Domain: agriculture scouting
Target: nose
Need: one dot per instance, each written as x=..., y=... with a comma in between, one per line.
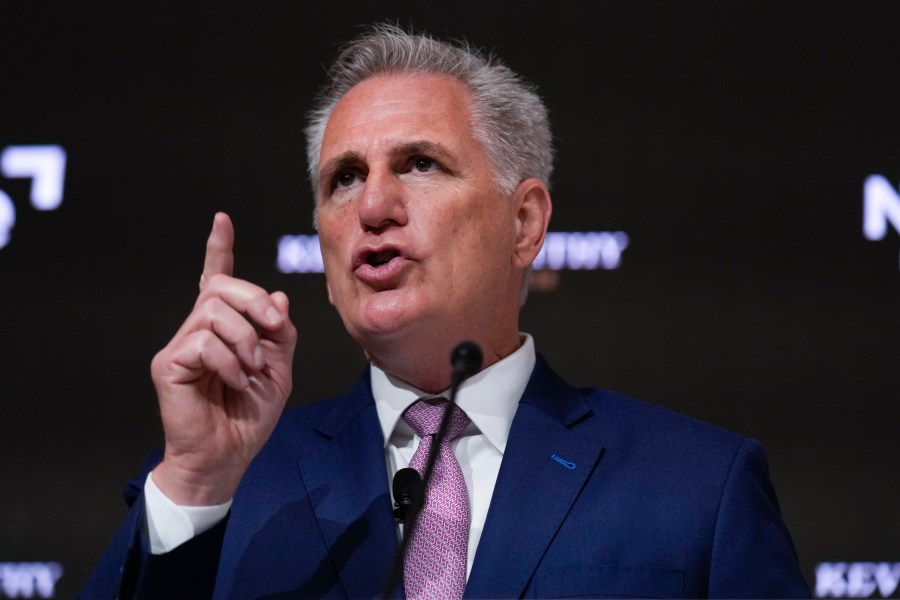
x=382, y=203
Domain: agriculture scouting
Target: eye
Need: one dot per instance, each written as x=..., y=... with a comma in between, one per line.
x=423, y=164
x=344, y=179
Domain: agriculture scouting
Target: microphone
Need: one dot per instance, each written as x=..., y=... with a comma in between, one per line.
x=466, y=360
x=407, y=486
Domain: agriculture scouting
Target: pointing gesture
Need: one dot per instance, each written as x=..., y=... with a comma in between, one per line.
x=222, y=383
x=219, y=259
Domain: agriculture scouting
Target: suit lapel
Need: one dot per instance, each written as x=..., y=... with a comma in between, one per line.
x=347, y=485
x=534, y=490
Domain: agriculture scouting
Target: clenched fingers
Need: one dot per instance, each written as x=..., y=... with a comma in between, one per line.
x=286, y=333
x=241, y=296
x=202, y=352
x=235, y=331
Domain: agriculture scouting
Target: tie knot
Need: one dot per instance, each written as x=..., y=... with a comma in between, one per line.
x=425, y=417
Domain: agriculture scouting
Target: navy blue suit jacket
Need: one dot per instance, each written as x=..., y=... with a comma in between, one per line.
x=651, y=504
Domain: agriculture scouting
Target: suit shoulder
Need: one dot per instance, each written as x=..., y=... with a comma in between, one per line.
x=621, y=420
x=630, y=420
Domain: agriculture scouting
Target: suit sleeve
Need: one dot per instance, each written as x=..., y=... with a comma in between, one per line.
x=753, y=555
x=127, y=569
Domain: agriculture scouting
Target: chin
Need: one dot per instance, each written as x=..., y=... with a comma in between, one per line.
x=380, y=323
x=380, y=318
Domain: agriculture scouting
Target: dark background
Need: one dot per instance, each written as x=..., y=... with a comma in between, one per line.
x=730, y=140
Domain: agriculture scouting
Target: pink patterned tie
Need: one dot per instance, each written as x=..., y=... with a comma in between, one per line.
x=436, y=559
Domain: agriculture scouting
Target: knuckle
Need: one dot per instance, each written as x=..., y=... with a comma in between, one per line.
x=214, y=307
x=248, y=336
x=212, y=310
x=212, y=283
x=159, y=362
x=216, y=279
x=204, y=340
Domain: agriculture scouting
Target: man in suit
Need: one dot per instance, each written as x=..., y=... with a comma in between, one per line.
x=430, y=165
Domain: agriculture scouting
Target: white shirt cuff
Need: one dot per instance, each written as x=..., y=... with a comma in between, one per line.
x=168, y=525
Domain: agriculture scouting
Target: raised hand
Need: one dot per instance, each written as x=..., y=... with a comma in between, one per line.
x=223, y=380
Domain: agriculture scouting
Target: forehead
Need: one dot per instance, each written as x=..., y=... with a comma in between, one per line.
x=392, y=109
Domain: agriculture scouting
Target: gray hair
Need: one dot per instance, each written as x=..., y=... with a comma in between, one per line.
x=509, y=118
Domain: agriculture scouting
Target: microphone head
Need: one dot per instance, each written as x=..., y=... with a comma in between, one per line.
x=466, y=360
x=406, y=484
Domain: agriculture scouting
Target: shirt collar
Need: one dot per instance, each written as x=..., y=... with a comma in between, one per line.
x=490, y=397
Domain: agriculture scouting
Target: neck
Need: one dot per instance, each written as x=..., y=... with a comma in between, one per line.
x=426, y=365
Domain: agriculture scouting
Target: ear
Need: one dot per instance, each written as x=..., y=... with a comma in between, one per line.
x=533, y=208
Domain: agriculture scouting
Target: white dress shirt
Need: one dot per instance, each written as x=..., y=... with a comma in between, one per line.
x=490, y=399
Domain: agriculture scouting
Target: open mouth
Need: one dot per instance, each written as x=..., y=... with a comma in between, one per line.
x=381, y=267
x=377, y=259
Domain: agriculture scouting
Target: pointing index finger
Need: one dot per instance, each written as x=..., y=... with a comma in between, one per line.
x=219, y=249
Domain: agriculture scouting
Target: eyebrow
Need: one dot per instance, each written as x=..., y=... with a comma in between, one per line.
x=350, y=158
x=420, y=147
x=336, y=164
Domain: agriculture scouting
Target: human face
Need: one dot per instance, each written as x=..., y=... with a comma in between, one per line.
x=417, y=238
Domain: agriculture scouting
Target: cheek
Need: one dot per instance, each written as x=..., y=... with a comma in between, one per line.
x=490, y=230
x=335, y=255
x=478, y=251
x=332, y=236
